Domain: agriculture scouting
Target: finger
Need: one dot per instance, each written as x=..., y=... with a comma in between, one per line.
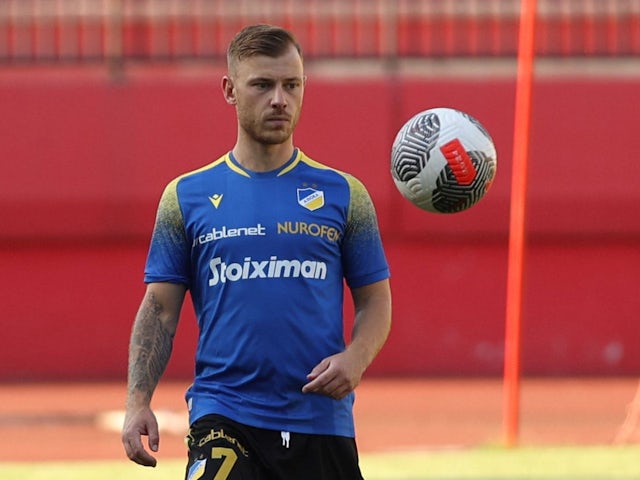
x=319, y=369
x=136, y=452
x=315, y=377
x=145, y=459
x=315, y=385
x=340, y=392
x=142, y=457
x=321, y=384
x=335, y=389
x=310, y=387
x=332, y=389
x=134, y=448
x=154, y=437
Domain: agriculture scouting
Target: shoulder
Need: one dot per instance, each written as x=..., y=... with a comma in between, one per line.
x=351, y=181
x=197, y=173
x=356, y=194
x=184, y=182
x=182, y=185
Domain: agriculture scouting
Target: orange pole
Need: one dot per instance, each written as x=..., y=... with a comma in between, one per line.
x=526, y=53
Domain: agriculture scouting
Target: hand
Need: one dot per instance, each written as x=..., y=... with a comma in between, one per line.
x=335, y=376
x=136, y=424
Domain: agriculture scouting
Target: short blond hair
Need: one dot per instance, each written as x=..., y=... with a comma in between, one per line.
x=260, y=39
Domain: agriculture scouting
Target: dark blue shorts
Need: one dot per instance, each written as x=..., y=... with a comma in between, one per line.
x=222, y=449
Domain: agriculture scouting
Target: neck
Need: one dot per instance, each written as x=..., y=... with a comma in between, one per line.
x=259, y=157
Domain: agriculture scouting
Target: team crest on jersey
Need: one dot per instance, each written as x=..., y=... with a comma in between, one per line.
x=196, y=470
x=310, y=198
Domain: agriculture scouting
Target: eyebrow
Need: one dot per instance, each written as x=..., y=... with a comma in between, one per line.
x=272, y=79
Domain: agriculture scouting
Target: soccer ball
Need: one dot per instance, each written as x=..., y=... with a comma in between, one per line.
x=443, y=160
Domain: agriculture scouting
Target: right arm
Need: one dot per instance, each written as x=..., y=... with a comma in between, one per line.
x=149, y=352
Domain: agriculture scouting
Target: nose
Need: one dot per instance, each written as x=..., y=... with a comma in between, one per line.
x=279, y=98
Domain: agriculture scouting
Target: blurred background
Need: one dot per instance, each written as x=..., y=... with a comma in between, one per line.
x=102, y=102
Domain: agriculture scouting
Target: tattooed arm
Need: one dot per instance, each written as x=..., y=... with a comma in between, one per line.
x=149, y=352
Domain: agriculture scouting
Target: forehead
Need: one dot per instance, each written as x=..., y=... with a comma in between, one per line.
x=287, y=65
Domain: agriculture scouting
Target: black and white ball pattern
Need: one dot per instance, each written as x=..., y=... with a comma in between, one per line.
x=443, y=160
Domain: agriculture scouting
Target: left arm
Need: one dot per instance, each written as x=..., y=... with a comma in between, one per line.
x=338, y=375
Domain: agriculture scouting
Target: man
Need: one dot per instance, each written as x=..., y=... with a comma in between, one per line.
x=263, y=238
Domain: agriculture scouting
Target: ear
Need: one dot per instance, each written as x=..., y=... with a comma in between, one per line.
x=228, y=90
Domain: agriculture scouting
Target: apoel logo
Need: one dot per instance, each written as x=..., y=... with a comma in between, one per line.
x=310, y=198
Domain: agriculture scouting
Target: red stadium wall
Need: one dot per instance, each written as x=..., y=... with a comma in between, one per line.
x=85, y=157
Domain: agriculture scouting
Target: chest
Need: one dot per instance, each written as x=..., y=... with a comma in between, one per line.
x=268, y=217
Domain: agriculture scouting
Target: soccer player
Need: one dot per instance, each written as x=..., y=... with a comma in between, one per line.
x=263, y=238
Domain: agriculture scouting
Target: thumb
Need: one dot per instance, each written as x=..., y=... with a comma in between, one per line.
x=154, y=436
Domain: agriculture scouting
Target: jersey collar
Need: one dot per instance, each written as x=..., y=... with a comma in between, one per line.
x=290, y=164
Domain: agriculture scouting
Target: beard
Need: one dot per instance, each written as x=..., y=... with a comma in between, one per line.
x=262, y=131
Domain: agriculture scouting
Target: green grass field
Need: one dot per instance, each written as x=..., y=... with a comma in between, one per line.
x=487, y=463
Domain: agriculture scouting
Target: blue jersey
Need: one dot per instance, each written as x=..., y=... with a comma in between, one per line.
x=265, y=256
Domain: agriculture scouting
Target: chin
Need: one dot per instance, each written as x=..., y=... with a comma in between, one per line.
x=275, y=139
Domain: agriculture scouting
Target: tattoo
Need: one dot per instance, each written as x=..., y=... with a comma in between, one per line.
x=150, y=349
